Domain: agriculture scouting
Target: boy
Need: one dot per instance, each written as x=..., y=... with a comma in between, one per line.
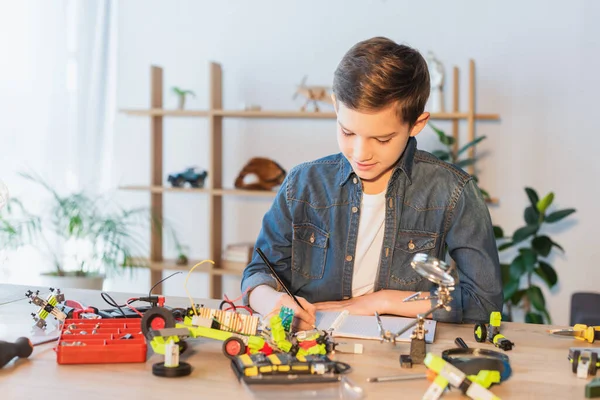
x=343, y=229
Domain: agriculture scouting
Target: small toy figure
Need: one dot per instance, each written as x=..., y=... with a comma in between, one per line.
x=313, y=94
x=491, y=333
x=191, y=175
x=47, y=307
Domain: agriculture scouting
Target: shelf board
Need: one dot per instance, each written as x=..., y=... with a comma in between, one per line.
x=156, y=112
x=160, y=112
x=162, y=189
x=171, y=265
x=274, y=114
x=241, y=192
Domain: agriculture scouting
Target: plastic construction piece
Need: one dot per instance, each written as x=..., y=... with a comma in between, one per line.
x=406, y=361
x=114, y=341
x=491, y=333
x=171, y=367
x=592, y=389
x=287, y=316
x=584, y=361
x=47, y=307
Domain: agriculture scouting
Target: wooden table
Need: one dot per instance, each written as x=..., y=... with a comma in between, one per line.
x=539, y=363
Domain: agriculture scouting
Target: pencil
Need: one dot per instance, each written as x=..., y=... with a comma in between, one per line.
x=264, y=258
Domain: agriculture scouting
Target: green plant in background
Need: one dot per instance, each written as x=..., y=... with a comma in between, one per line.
x=181, y=93
x=112, y=237
x=454, y=157
x=533, y=250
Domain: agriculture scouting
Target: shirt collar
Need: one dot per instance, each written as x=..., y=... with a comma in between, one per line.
x=404, y=163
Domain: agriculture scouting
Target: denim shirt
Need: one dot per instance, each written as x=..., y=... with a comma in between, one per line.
x=432, y=207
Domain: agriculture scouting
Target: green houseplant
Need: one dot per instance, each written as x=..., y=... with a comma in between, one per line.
x=455, y=156
x=534, y=248
x=181, y=93
x=102, y=237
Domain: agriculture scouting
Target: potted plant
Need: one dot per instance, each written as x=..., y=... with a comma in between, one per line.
x=534, y=248
x=454, y=156
x=85, y=236
x=181, y=93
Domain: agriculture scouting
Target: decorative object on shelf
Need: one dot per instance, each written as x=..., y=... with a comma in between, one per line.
x=181, y=93
x=237, y=255
x=81, y=235
x=529, y=260
x=182, y=252
x=453, y=155
x=251, y=107
x=436, y=77
x=314, y=94
x=267, y=171
x=191, y=175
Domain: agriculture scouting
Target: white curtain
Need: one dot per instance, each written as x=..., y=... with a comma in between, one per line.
x=57, y=103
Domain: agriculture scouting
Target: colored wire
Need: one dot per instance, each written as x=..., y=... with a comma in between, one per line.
x=188, y=277
x=161, y=281
x=106, y=297
x=131, y=300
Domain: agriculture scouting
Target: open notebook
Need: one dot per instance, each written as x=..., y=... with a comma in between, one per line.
x=365, y=327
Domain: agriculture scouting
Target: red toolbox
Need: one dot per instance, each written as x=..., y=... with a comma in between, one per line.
x=101, y=341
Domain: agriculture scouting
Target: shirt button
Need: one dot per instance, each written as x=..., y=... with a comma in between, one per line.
x=411, y=245
x=348, y=258
x=312, y=238
x=355, y=180
x=354, y=209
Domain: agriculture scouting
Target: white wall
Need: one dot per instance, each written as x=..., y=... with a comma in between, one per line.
x=537, y=64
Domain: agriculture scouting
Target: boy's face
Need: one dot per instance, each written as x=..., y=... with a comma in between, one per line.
x=373, y=142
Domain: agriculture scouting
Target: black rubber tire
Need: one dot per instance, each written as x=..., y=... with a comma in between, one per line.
x=179, y=182
x=242, y=348
x=159, y=369
x=575, y=360
x=593, y=362
x=152, y=314
x=483, y=333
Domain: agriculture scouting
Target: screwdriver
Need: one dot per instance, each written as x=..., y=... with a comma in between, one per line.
x=21, y=348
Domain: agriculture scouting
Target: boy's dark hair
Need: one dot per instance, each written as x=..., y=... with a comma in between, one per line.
x=377, y=72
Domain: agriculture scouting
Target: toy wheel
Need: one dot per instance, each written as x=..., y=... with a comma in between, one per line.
x=159, y=369
x=575, y=361
x=233, y=346
x=198, y=183
x=157, y=318
x=480, y=333
x=593, y=364
x=179, y=182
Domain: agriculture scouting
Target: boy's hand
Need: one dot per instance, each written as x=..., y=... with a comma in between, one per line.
x=303, y=319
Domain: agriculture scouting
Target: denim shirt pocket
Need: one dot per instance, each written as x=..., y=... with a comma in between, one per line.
x=409, y=243
x=309, y=250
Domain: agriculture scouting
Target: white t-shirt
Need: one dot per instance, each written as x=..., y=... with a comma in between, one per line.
x=369, y=243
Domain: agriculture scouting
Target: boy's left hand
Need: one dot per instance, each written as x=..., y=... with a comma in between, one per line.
x=362, y=305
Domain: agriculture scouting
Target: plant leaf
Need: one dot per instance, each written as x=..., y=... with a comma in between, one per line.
x=510, y=288
x=544, y=203
x=505, y=246
x=517, y=268
x=470, y=144
x=524, y=232
x=529, y=259
x=444, y=139
x=542, y=245
x=515, y=299
x=498, y=232
x=534, y=318
x=558, y=215
x=465, y=163
x=441, y=154
x=531, y=215
x=505, y=272
x=547, y=273
x=558, y=245
x=536, y=297
x=533, y=196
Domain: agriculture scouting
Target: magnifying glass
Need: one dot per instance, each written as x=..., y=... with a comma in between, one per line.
x=435, y=270
x=3, y=194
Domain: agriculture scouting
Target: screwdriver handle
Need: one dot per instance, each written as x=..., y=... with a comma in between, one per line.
x=22, y=348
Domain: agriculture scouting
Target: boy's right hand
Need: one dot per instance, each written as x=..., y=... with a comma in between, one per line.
x=304, y=320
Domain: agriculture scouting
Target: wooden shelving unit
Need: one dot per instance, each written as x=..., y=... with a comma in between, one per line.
x=214, y=186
